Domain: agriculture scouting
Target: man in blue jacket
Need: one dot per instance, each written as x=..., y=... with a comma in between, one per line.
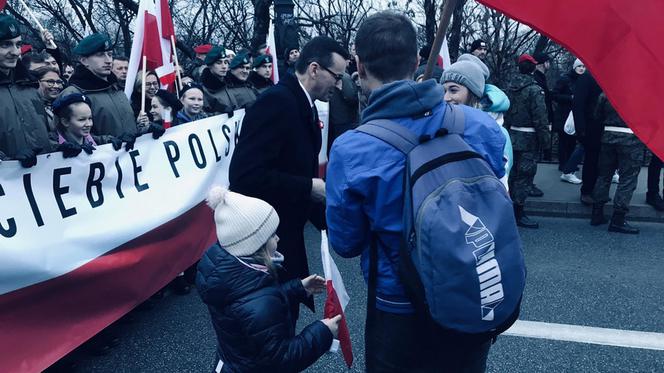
x=364, y=195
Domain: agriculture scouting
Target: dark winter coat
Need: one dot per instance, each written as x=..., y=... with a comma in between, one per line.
x=218, y=98
x=260, y=84
x=251, y=316
x=344, y=109
x=112, y=113
x=23, y=123
x=275, y=159
x=562, y=94
x=586, y=93
x=243, y=91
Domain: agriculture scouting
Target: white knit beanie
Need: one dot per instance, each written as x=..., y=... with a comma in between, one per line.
x=577, y=63
x=244, y=224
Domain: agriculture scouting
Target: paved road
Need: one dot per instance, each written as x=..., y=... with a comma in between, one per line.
x=577, y=274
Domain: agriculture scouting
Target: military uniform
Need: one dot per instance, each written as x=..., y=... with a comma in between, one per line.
x=23, y=126
x=620, y=150
x=527, y=122
x=243, y=92
x=216, y=94
x=259, y=83
x=111, y=110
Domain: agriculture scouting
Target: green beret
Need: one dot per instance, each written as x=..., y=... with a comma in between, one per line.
x=239, y=60
x=262, y=59
x=92, y=44
x=215, y=54
x=9, y=28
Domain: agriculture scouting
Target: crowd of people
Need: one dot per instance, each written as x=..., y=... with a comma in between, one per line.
x=50, y=104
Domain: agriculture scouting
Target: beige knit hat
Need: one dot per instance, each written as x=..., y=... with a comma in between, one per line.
x=244, y=224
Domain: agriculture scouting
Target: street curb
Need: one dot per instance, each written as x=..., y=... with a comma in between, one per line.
x=543, y=207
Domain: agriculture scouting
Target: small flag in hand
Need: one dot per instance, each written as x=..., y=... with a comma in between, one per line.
x=337, y=299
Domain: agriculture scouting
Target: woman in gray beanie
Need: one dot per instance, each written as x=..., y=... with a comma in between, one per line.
x=465, y=84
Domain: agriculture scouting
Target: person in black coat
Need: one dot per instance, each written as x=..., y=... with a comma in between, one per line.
x=276, y=157
x=250, y=310
x=588, y=131
x=562, y=94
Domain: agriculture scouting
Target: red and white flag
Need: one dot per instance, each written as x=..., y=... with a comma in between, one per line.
x=272, y=51
x=166, y=73
x=146, y=43
x=337, y=299
x=444, y=60
x=619, y=45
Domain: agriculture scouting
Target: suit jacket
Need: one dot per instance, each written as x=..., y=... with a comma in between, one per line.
x=275, y=159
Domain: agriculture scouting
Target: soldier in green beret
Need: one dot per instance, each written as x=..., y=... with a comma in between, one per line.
x=238, y=84
x=112, y=112
x=259, y=77
x=217, y=97
x=23, y=128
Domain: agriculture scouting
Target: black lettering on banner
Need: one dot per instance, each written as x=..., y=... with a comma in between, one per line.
x=217, y=157
x=237, y=132
x=27, y=186
x=59, y=191
x=227, y=132
x=173, y=156
x=95, y=183
x=118, y=186
x=200, y=163
x=11, y=231
x=137, y=169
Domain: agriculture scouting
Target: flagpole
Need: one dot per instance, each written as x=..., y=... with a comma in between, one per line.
x=145, y=63
x=446, y=10
x=177, y=66
x=39, y=25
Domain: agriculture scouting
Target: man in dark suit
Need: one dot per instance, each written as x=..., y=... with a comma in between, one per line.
x=276, y=157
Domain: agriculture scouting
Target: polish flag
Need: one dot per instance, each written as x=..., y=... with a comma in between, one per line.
x=167, y=32
x=272, y=51
x=147, y=42
x=337, y=299
x=618, y=41
x=444, y=60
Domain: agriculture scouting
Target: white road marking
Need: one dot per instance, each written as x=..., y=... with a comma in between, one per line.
x=587, y=334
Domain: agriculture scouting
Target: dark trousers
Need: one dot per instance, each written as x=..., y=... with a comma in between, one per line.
x=566, y=145
x=574, y=160
x=401, y=343
x=627, y=159
x=654, y=170
x=592, y=146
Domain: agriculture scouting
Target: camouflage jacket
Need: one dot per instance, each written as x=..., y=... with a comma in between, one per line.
x=528, y=109
x=607, y=116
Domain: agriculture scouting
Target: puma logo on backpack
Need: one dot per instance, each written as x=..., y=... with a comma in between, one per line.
x=461, y=255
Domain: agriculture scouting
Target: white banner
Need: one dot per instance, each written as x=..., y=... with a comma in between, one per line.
x=51, y=213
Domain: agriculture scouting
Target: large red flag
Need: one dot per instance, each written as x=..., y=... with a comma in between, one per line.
x=619, y=41
x=167, y=28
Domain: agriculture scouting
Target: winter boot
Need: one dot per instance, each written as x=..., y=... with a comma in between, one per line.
x=522, y=220
x=654, y=200
x=620, y=225
x=598, y=218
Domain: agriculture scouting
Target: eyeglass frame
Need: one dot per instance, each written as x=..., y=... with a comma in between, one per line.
x=337, y=77
x=53, y=82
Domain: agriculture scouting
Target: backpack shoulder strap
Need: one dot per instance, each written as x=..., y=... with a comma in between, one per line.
x=392, y=133
x=454, y=120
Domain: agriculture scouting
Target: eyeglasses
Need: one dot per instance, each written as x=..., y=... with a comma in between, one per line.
x=53, y=82
x=337, y=77
x=152, y=84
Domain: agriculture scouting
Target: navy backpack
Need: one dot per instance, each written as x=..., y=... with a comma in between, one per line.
x=461, y=255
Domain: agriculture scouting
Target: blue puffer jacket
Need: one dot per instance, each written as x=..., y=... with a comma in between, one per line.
x=365, y=176
x=251, y=317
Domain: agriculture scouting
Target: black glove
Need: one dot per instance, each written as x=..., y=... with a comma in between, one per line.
x=69, y=149
x=27, y=157
x=88, y=148
x=156, y=130
x=126, y=138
